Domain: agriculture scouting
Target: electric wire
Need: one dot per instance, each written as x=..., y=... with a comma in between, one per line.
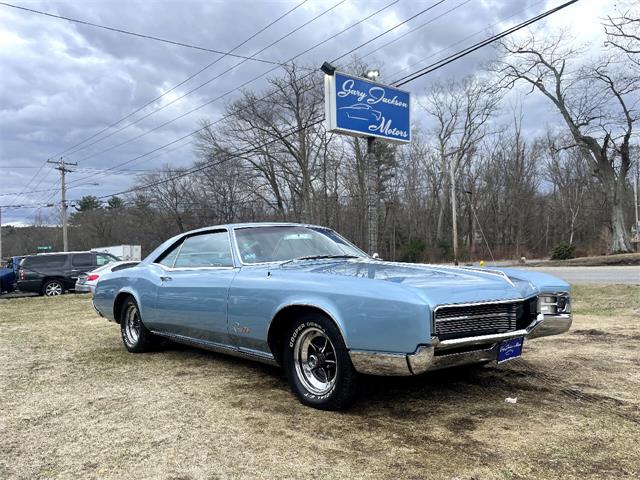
x=157, y=98
x=410, y=77
x=190, y=77
x=265, y=73
x=194, y=89
x=140, y=35
x=452, y=58
x=405, y=80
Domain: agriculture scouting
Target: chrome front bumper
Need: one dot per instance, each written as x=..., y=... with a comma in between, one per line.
x=454, y=352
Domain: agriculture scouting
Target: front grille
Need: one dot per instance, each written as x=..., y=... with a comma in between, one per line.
x=480, y=319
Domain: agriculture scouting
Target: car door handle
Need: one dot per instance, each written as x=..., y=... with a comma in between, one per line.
x=165, y=279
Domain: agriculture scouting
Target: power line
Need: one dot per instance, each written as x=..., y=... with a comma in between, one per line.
x=409, y=78
x=193, y=90
x=267, y=72
x=134, y=34
x=228, y=156
x=415, y=29
x=451, y=45
x=452, y=58
x=272, y=93
x=160, y=96
x=209, y=65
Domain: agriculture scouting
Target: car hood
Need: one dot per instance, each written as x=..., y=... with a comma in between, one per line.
x=437, y=284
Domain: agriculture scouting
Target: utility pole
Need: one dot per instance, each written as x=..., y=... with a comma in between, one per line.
x=635, y=204
x=372, y=182
x=454, y=211
x=61, y=166
x=372, y=197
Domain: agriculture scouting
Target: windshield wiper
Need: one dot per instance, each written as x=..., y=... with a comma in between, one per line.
x=318, y=257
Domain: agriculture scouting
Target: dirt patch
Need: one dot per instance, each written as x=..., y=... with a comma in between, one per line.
x=75, y=404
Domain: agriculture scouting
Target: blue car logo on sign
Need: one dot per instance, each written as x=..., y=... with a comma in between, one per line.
x=360, y=111
x=359, y=107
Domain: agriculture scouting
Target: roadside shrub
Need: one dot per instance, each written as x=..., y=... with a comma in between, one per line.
x=563, y=251
x=413, y=251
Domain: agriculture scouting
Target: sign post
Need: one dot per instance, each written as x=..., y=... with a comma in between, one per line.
x=360, y=107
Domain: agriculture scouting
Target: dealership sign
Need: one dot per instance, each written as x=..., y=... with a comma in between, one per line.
x=360, y=107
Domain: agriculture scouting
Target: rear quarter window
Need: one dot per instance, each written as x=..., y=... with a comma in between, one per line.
x=45, y=261
x=123, y=266
x=82, y=260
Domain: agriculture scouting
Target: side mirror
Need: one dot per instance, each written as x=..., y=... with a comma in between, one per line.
x=376, y=256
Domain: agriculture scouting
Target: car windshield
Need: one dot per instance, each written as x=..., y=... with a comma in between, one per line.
x=282, y=243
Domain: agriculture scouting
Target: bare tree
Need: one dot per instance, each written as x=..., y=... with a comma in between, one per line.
x=597, y=103
x=170, y=193
x=461, y=111
x=623, y=33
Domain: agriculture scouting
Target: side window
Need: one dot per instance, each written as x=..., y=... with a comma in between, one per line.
x=103, y=259
x=82, y=260
x=205, y=250
x=44, y=261
x=170, y=258
x=123, y=266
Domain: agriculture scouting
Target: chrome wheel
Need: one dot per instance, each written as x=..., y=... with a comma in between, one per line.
x=132, y=325
x=53, y=289
x=315, y=361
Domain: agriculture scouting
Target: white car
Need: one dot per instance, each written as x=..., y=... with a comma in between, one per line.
x=86, y=282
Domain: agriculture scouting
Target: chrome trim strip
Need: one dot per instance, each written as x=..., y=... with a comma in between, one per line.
x=192, y=234
x=551, y=325
x=477, y=316
x=481, y=339
x=490, y=302
x=490, y=272
x=279, y=262
x=96, y=309
x=219, y=347
x=380, y=363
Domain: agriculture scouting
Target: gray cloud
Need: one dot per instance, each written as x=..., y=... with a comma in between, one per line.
x=62, y=82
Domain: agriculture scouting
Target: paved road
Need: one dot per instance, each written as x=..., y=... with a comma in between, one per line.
x=607, y=274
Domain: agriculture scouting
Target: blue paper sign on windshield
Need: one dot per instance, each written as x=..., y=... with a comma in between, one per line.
x=360, y=107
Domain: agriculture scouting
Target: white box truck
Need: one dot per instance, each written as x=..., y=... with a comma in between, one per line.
x=123, y=252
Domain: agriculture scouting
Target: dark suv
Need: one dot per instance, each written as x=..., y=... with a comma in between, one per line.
x=53, y=273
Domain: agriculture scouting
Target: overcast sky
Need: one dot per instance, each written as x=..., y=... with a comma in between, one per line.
x=62, y=82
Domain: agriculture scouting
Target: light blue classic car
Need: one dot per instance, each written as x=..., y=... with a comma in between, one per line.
x=303, y=297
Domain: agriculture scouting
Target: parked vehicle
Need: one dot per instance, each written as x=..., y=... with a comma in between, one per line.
x=124, y=252
x=86, y=282
x=9, y=274
x=53, y=274
x=303, y=297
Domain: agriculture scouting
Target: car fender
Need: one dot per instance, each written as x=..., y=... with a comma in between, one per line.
x=317, y=302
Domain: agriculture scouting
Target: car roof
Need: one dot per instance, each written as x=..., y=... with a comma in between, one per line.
x=255, y=224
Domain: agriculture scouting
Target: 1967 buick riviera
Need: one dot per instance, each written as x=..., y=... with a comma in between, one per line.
x=303, y=297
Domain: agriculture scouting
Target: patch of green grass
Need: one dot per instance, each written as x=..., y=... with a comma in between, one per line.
x=605, y=299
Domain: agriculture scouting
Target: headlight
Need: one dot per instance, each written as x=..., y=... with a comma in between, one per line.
x=554, y=304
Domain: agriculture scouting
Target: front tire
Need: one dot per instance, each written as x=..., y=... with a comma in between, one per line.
x=52, y=288
x=318, y=365
x=135, y=336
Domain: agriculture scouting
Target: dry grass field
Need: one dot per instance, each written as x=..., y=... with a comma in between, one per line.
x=74, y=404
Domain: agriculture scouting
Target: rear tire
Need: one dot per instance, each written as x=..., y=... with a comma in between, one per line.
x=52, y=288
x=135, y=336
x=317, y=364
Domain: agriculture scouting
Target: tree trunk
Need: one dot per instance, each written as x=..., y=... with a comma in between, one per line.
x=619, y=239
